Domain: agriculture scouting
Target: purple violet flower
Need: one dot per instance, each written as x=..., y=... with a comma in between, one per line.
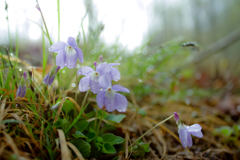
x=109, y=97
x=22, y=86
x=185, y=133
x=68, y=53
x=92, y=77
x=48, y=79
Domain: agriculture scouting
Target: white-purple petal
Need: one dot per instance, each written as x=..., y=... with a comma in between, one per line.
x=114, y=64
x=71, y=60
x=57, y=47
x=115, y=74
x=60, y=60
x=95, y=87
x=182, y=135
x=121, y=103
x=109, y=103
x=120, y=88
x=84, y=84
x=100, y=99
x=71, y=41
x=197, y=134
x=85, y=71
x=193, y=128
x=105, y=81
x=103, y=68
x=189, y=140
x=79, y=54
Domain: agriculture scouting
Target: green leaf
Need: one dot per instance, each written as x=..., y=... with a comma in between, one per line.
x=99, y=139
x=67, y=106
x=226, y=131
x=81, y=125
x=83, y=146
x=112, y=139
x=141, y=151
x=91, y=135
x=108, y=148
x=115, y=118
x=142, y=112
x=78, y=134
x=145, y=146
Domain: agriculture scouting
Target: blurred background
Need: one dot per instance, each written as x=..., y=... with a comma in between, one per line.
x=160, y=44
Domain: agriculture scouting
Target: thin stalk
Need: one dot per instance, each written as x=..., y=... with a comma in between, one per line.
x=95, y=124
x=44, y=56
x=85, y=98
x=151, y=130
x=9, y=35
x=16, y=50
x=58, y=4
x=76, y=86
x=44, y=24
x=100, y=122
x=84, y=37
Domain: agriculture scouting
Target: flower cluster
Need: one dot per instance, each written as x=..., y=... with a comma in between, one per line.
x=185, y=132
x=97, y=79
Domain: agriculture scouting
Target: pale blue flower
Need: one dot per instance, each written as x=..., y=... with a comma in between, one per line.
x=109, y=97
x=92, y=77
x=68, y=53
x=185, y=132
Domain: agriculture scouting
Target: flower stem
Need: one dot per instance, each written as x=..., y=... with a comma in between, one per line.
x=95, y=123
x=85, y=98
x=100, y=122
x=151, y=130
x=76, y=86
x=45, y=24
x=58, y=4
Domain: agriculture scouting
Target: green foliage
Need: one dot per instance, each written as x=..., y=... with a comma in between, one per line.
x=81, y=125
x=79, y=134
x=108, y=148
x=140, y=149
x=83, y=146
x=115, y=118
x=112, y=139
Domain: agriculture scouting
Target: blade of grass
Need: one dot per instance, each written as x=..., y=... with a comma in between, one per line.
x=44, y=64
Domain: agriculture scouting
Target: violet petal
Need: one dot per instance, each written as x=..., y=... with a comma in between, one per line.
x=95, y=87
x=57, y=47
x=121, y=103
x=120, y=88
x=84, y=84
x=105, y=81
x=85, y=71
x=109, y=103
x=71, y=41
x=100, y=99
x=115, y=74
